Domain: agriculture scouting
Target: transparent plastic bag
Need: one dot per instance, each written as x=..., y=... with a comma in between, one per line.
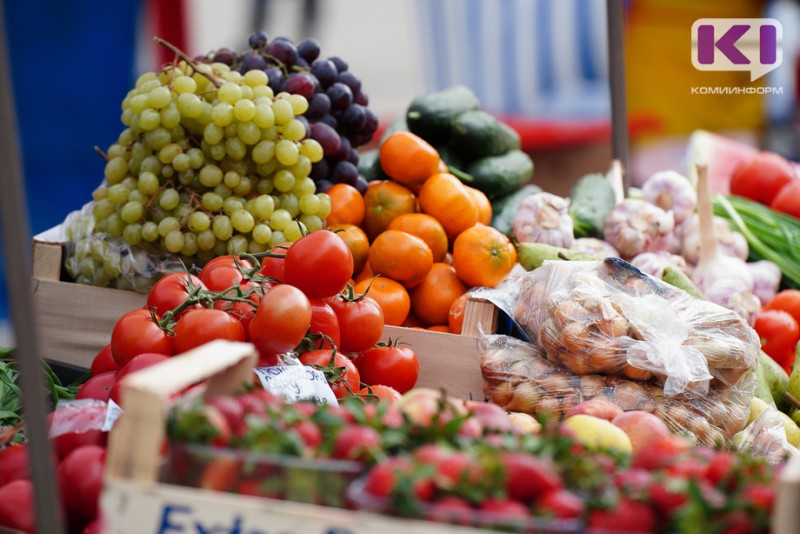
x=607, y=317
x=519, y=377
x=765, y=437
x=96, y=258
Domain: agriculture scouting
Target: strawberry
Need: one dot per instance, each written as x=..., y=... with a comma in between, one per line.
x=451, y=510
x=496, y=511
x=528, y=476
x=662, y=451
x=759, y=496
x=669, y=496
x=627, y=516
x=561, y=503
x=633, y=481
x=738, y=522
x=455, y=469
x=720, y=467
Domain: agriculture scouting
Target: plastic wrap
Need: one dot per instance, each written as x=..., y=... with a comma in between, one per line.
x=765, y=437
x=100, y=259
x=608, y=317
x=518, y=376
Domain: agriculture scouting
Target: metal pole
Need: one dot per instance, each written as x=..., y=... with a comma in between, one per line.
x=616, y=79
x=14, y=222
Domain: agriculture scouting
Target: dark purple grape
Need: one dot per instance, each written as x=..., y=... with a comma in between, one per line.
x=301, y=83
x=252, y=61
x=320, y=170
x=327, y=137
x=341, y=65
x=224, y=55
x=330, y=120
x=350, y=80
x=342, y=153
x=361, y=184
x=344, y=173
x=361, y=98
x=325, y=71
x=309, y=49
x=352, y=156
x=258, y=40
x=323, y=186
x=352, y=119
x=301, y=64
x=341, y=96
x=305, y=123
x=283, y=50
x=318, y=106
x=360, y=138
x=275, y=77
x=370, y=122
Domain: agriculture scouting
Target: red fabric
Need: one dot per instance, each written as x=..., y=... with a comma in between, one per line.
x=168, y=19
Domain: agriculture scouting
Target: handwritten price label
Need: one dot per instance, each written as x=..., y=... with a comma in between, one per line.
x=297, y=382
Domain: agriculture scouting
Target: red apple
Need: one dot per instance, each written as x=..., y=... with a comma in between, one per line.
x=641, y=427
x=596, y=407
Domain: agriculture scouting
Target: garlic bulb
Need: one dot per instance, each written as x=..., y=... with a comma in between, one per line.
x=592, y=245
x=731, y=243
x=636, y=226
x=543, y=218
x=766, y=279
x=736, y=295
x=653, y=263
x=670, y=191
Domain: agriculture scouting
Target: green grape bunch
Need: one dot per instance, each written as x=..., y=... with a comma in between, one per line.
x=211, y=162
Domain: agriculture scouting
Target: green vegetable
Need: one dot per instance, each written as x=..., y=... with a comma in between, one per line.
x=476, y=134
x=532, y=255
x=369, y=166
x=590, y=201
x=430, y=116
x=505, y=209
x=451, y=157
x=500, y=175
x=677, y=278
x=771, y=235
x=397, y=125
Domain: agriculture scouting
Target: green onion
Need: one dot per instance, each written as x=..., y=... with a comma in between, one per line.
x=771, y=235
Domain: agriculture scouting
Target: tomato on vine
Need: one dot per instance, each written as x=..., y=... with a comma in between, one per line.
x=223, y=272
x=320, y=264
x=136, y=332
x=198, y=327
x=171, y=291
x=360, y=321
x=392, y=364
x=281, y=321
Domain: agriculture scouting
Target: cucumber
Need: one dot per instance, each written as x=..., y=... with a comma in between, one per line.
x=497, y=176
x=451, y=157
x=369, y=165
x=590, y=201
x=476, y=134
x=430, y=116
x=505, y=209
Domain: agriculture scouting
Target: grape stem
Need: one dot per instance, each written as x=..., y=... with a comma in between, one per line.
x=102, y=154
x=191, y=62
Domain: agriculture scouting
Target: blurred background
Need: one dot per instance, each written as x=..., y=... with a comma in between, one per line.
x=539, y=64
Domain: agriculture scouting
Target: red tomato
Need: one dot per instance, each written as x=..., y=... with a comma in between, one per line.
x=222, y=272
x=281, y=321
x=97, y=387
x=320, y=264
x=787, y=300
x=104, y=361
x=788, y=199
x=171, y=290
x=762, y=177
x=324, y=321
x=242, y=311
x=275, y=267
x=76, y=428
x=383, y=393
x=135, y=333
x=13, y=463
x=138, y=363
x=360, y=322
x=80, y=477
x=779, y=333
x=396, y=367
x=346, y=381
x=16, y=506
x=198, y=327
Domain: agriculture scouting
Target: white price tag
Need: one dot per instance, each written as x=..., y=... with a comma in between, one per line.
x=297, y=382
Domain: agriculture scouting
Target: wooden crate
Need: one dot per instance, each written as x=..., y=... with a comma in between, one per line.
x=135, y=501
x=76, y=321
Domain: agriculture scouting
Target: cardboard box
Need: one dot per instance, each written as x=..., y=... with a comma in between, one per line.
x=75, y=321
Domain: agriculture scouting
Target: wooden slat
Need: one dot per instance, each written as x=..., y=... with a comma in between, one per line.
x=447, y=361
x=786, y=513
x=134, y=508
x=76, y=320
x=135, y=442
x=479, y=316
x=47, y=261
